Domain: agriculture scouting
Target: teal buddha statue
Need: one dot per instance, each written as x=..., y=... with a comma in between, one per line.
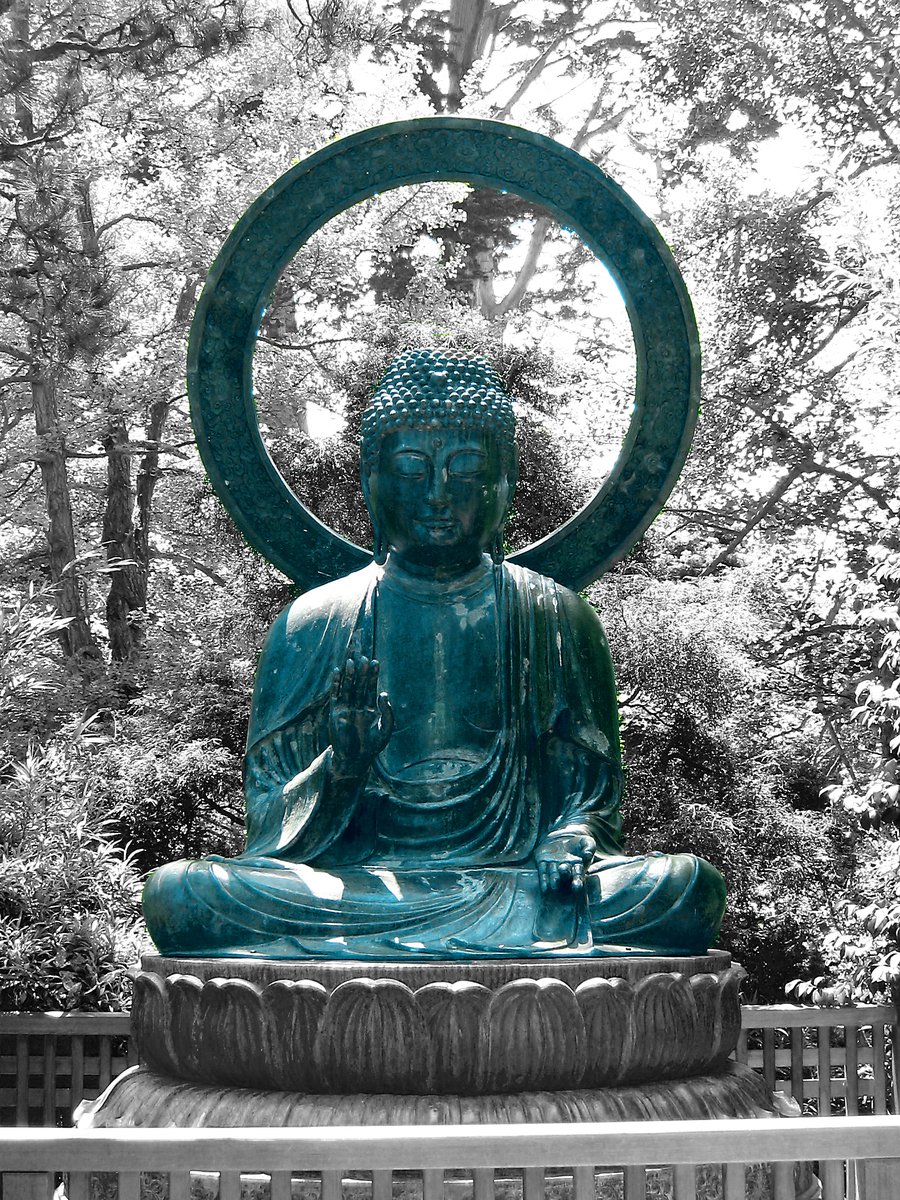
x=433, y=766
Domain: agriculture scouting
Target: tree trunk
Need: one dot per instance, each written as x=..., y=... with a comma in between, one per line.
x=140, y=515
x=470, y=25
x=126, y=601
x=76, y=638
x=147, y=478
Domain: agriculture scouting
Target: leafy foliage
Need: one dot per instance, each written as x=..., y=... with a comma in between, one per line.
x=69, y=915
x=701, y=778
x=756, y=626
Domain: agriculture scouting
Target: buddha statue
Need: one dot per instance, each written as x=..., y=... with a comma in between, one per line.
x=433, y=766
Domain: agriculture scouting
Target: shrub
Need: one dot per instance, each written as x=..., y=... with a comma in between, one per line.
x=69, y=915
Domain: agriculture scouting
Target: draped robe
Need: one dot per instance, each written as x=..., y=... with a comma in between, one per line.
x=443, y=868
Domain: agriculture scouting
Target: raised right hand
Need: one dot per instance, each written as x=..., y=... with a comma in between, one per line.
x=360, y=719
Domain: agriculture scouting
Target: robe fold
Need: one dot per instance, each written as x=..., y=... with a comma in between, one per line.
x=398, y=867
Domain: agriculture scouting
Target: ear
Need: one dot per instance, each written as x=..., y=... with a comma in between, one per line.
x=512, y=477
x=365, y=476
x=512, y=474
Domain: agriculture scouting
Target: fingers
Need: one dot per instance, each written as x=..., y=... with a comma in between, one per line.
x=557, y=876
x=572, y=874
x=356, y=685
x=387, y=716
x=348, y=683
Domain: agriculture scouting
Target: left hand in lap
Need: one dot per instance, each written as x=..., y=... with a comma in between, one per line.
x=562, y=861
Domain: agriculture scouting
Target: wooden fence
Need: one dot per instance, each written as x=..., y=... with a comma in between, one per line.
x=471, y=1160
x=829, y=1060
x=50, y=1062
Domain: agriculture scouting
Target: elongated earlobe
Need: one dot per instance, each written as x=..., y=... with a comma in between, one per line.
x=380, y=549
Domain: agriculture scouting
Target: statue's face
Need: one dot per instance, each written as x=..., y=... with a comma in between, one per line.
x=439, y=496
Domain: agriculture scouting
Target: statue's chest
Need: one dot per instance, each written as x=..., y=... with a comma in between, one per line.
x=440, y=668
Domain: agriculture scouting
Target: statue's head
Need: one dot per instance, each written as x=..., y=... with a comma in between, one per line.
x=439, y=459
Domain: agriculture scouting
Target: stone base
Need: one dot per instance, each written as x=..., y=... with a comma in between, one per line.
x=143, y=1098
x=437, y=1029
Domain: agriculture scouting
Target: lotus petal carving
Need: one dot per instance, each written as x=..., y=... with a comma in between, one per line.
x=459, y=1038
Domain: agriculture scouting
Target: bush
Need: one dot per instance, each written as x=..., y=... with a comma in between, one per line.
x=705, y=776
x=69, y=912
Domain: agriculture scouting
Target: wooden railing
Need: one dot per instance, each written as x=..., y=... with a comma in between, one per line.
x=831, y=1060
x=50, y=1062
x=481, y=1159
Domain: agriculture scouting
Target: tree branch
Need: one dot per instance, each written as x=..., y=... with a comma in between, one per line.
x=839, y=325
x=131, y=217
x=529, y=77
x=63, y=46
x=766, y=506
x=144, y=266
x=183, y=560
x=15, y=352
x=304, y=345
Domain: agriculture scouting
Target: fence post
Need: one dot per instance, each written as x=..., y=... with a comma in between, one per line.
x=881, y=1179
x=27, y=1185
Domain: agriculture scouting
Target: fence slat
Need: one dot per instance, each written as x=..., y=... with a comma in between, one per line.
x=432, y=1183
x=740, y=1050
x=331, y=1186
x=635, y=1183
x=180, y=1185
x=483, y=1182
x=130, y=1185
x=230, y=1185
x=60, y=1024
x=831, y=1174
x=383, y=1186
x=824, y=1056
x=532, y=1183
x=105, y=1072
x=583, y=1183
x=76, y=1088
x=882, y=1177
x=684, y=1177
x=22, y=1080
x=735, y=1181
x=532, y=1146
x=49, y=1080
x=810, y=1056
x=769, y=1058
x=783, y=1181
x=797, y=1065
x=785, y=1016
x=851, y=1072
x=27, y=1185
x=878, y=1054
x=78, y=1185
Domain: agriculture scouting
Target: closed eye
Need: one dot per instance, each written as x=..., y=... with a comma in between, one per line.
x=467, y=462
x=410, y=465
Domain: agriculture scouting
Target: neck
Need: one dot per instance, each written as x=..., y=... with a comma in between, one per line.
x=437, y=572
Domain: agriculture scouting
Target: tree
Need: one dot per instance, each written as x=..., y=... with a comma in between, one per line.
x=152, y=134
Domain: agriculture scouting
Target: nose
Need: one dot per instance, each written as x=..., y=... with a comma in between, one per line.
x=436, y=495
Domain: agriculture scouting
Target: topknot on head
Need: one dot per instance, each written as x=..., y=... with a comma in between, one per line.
x=432, y=389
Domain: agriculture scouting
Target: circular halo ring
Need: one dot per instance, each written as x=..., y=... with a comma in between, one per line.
x=481, y=153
